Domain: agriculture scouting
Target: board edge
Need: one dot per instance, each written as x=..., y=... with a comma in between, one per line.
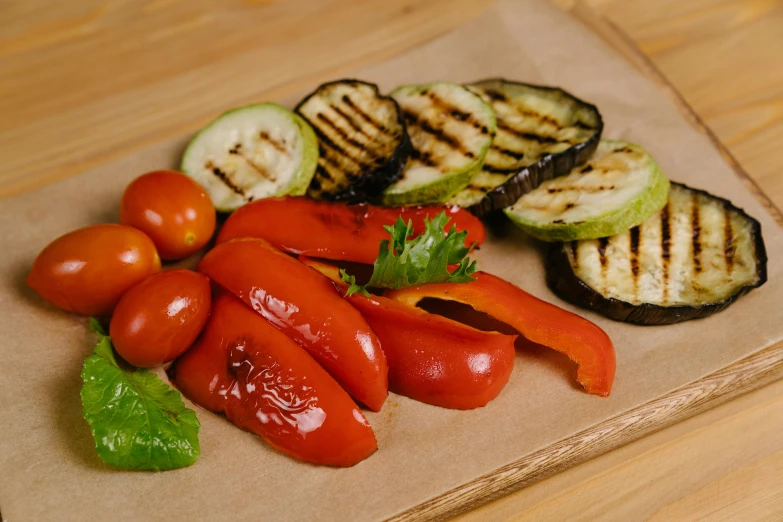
x=746, y=375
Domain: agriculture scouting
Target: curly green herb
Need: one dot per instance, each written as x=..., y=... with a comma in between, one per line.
x=407, y=261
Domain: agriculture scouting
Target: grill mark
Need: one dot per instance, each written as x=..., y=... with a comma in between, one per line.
x=528, y=135
x=344, y=135
x=586, y=169
x=728, y=241
x=603, y=243
x=517, y=155
x=366, y=117
x=537, y=115
x=315, y=184
x=456, y=112
x=347, y=117
x=623, y=149
x=696, y=237
x=495, y=95
x=261, y=169
x=635, y=240
x=580, y=125
x=223, y=176
x=424, y=158
x=438, y=134
x=264, y=136
x=323, y=172
x=336, y=149
x=589, y=190
x=236, y=150
x=666, y=238
x=498, y=170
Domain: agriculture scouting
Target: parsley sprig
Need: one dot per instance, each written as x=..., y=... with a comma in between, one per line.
x=409, y=261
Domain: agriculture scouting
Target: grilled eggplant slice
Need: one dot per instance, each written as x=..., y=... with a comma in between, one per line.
x=451, y=129
x=362, y=137
x=693, y=258
x=252, y=152
x=543, y=132
x=620, y=187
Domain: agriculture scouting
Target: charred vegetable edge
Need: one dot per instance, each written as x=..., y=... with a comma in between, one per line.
x=548, y=167
x=562, y=280
x=373, y=183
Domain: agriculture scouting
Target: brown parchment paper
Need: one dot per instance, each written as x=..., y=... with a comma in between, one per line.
x=48, y=466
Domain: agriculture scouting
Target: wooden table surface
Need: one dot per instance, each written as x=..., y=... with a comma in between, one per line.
x=85, y=81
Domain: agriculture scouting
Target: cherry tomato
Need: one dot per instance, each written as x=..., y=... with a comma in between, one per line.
x=267, y=384
x=159, y=318
x=172, y=209
x=88, y=270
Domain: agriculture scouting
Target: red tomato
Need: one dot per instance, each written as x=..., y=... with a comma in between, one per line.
x=305, y=306
x=267, y=384
x=172, y=209
x=159, y=318
x=88, y=270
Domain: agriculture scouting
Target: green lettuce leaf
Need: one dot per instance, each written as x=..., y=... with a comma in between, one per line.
x=138, y=422
x=406, y=261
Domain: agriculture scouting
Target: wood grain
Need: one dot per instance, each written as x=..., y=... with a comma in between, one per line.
x=705, y=468
x=749, y=374
x=85, y=82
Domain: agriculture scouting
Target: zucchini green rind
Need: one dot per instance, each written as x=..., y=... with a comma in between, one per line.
x=250, y=153
x=451, y=130
x=692, y=259
x=363, y=142
x=618, y=188
x=542, y=133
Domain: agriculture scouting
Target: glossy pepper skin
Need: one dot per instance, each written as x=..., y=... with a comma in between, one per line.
x=334, y=230
x=268, y=385
x=582, y=341
x=304, y=305
x=433, y=359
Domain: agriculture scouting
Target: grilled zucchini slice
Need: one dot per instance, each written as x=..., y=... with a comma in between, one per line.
x=542, y=133
x=620, y=187
x=250, y=153
x=451, y=130
x=693, y=258
x=362, y=137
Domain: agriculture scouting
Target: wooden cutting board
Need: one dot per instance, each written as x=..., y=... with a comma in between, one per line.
x=599, y=432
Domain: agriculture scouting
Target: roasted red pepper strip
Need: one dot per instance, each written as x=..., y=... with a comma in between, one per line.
x=265, y=383
x=334, y=230
x=582, y=341
x=304, y=305
x=431, y=358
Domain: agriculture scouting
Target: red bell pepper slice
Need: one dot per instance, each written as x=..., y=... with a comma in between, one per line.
x=582, y=341
x=334, y=230
x=266, y=384
x=304, y=305
x=433, y=359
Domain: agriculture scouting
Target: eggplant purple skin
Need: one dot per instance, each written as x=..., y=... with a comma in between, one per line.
x=562, y=280
x=372, y=183
x=548, y=167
